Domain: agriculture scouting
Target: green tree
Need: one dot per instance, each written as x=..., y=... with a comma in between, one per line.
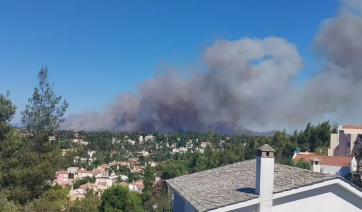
x=8, y=206
x=53, y=200
x=120, y=199
x=7, y=111
x=148, y=180
x=90, y=203
x=45, y=111
x=28, y=163
x=77, y=183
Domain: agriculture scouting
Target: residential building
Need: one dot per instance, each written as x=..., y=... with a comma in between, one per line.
x=63, y=178
x=104, y=166
x=81, y=173
x=136, y=186
x=144, y=153
x=182, y=149
x=152, y=163
x=100, y=174
x=72, y=169
x=345, y=141
x=136, y=169
x=204, y=144
x=260, y=185
x=329, y=164
x=79, y=192
x=149, y=138
x=124, y=184
x=124, y=177
x=175, y=150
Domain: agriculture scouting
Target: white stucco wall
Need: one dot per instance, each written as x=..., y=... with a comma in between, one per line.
x=343, y=171
x=333, y=198
x=251, y=208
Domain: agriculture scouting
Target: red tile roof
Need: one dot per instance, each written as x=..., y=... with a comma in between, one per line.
x=352, y=127
x=100, y=172
x=104, y=184
x=124, y=183
x=83, y=171
x=326, y=160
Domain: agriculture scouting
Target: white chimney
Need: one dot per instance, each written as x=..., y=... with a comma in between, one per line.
x=265, y=177
x=315, y=165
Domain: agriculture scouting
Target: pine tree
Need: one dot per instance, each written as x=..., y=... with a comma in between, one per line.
x=148, y=180
x=7, y=111
x=28, y=159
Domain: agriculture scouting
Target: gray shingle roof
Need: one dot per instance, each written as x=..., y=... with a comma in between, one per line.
x=235, y=183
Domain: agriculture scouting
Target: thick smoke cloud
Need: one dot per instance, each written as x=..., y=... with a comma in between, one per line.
x=250, y=83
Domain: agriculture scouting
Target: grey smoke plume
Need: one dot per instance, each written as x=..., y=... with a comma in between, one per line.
x=249, y=82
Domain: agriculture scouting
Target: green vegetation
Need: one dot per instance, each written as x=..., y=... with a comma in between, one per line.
x=82, y=181
x=120, y=199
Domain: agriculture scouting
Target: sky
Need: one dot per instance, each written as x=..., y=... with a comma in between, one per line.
x=96, y=50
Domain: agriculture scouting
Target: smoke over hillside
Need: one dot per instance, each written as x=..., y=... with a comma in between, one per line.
x=249, y=83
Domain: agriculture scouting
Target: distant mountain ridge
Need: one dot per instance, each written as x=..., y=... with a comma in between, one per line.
x=232, y=129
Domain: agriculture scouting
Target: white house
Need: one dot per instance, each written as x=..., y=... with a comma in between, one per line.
x=329, y=164
x=100, y=174
x=204, y=144
x=262, y=186
x=136, y=186
x=81, y=173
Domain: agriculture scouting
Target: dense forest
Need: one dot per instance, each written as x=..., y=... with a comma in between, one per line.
x=29, y=159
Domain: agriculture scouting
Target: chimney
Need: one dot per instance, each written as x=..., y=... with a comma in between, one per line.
x=315, y=165
x=265, y=177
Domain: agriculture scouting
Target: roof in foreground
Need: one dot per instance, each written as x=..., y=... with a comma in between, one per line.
x=325, y=160
x=235, y=183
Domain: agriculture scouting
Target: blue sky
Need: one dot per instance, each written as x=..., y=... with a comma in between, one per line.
x=96, y=50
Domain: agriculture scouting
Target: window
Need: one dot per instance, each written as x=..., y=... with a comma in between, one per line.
x=316, y=163
x=341, y=132
x=267, y=153
x=348, y=144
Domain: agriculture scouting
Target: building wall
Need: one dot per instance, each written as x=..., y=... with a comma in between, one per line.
x=333, y=144
x=189, y=207
x=251, y=208
x=333, y=198
x=343, y=171
x=344, y=143
x=178, y=203
x=62, y=179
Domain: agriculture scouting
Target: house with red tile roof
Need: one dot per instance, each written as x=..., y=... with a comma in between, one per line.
x=81, y=173
x=63, y=178
x=100, y=174
x=328, y=164
x=136, y=169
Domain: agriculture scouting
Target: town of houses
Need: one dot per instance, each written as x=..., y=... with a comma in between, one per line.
x=103, y=174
